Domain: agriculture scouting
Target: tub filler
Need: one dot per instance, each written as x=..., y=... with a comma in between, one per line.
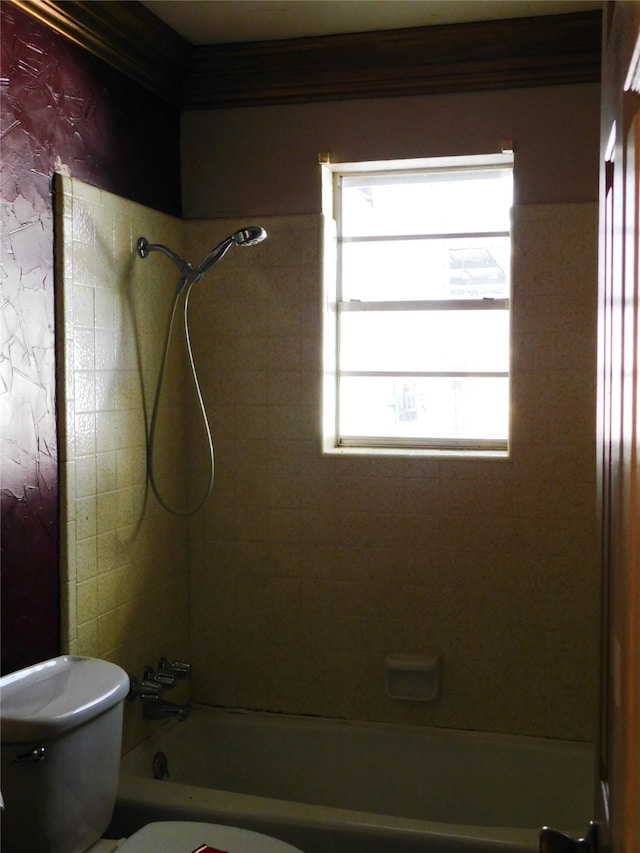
x=329, y=786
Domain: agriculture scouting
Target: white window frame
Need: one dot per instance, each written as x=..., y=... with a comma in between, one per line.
x=334, y=307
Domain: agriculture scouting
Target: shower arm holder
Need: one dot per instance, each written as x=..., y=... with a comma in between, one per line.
x=187, y=273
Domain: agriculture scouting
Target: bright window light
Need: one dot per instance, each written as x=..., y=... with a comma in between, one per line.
x=419, y=316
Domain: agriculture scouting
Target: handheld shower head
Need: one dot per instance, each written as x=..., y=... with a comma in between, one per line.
x=248, y=236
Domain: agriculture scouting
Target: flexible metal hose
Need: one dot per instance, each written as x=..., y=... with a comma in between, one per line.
x=185, y=285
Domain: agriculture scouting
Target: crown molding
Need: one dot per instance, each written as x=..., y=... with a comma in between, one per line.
x=549, y=50
x=519, y=52
x=125, y=35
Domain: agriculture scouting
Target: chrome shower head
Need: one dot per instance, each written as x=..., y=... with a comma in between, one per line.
x=248, y=236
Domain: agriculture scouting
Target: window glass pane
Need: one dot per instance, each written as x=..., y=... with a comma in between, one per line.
x=463, y=268
x=468, y=408
x=430, y=367
x=440, y=202
x=438, y=341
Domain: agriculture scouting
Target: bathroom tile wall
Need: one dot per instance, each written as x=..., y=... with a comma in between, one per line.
x=123, y=560
x=307, y=569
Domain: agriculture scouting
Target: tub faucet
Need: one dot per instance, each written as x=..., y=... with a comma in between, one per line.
x=162, y=710
x=151, y=689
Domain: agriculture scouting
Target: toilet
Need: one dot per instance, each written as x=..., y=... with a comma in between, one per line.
x=61, y=733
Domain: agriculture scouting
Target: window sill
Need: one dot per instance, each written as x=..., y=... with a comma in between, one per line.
x=417, y=453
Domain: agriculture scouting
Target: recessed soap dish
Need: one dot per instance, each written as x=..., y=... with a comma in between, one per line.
x=413, y=677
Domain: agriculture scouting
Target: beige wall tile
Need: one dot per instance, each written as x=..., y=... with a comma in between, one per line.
x=339, y=561
x=118, y=536
x=305, y=570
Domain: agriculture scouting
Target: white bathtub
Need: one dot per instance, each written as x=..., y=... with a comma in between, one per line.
x=330, y=786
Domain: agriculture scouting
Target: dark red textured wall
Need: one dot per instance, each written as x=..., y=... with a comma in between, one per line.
x=62, y=110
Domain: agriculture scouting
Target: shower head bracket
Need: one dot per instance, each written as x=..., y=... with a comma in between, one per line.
x=143, y=248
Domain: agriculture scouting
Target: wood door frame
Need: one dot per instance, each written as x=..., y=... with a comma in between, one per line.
x=618, y=793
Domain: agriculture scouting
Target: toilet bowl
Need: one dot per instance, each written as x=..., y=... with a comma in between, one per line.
x=178, y=836
x=61, y=736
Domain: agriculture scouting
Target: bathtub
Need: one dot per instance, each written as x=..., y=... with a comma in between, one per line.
x=329, y=786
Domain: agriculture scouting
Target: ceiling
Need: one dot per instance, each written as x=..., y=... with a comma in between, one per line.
x=226, y=21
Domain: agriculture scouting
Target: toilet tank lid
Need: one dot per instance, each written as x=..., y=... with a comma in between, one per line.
x=51, y=697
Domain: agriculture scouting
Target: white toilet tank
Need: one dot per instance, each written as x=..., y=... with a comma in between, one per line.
x=61, y=732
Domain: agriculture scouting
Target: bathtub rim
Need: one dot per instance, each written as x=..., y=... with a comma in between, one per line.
x=194, y=801
x=431, y=731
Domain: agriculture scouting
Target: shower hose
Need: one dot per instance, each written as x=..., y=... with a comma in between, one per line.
x=183, y=285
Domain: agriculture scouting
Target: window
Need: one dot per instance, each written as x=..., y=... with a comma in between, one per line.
x=420, y=319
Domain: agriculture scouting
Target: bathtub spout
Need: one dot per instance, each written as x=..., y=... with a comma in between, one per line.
x=165, y=711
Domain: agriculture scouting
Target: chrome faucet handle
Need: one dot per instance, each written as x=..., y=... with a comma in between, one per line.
x=177, y=668
x=150, y=691
x=165, y=678
x=146, y=690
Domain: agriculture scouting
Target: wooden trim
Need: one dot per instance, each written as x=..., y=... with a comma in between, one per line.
x=538, y=51
x=125, y=35
x=549, y=50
